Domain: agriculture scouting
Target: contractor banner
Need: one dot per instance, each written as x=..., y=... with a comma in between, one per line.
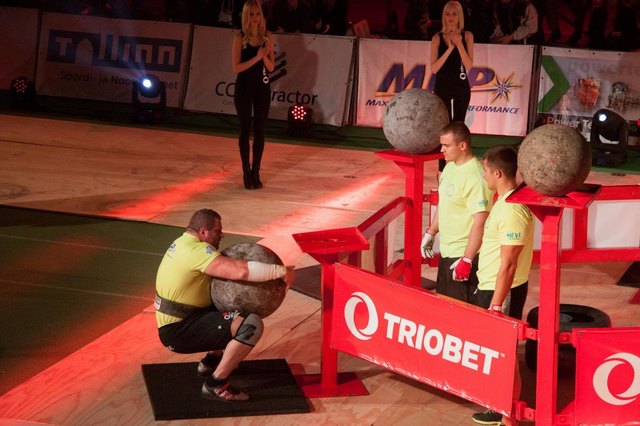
x=98, y=58
x=500, y=82
x=18, y=44
x=575, y=83
x=310, y=69
x=425, y=337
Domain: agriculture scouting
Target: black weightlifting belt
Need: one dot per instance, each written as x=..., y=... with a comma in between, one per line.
x=175, y=309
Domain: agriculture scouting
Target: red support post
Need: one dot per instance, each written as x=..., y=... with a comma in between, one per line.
x=413, y=168
x=549, y=211
x=328, y=247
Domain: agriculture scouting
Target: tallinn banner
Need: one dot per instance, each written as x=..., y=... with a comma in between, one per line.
x=426, y=337
x=98, y=58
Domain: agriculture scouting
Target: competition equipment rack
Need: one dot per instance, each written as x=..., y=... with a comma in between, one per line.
x=443, y=353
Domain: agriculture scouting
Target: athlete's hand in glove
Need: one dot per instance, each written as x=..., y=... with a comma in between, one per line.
x=426, y=247
x=461, y=269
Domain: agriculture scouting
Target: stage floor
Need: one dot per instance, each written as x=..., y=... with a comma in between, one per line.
x=163, y=176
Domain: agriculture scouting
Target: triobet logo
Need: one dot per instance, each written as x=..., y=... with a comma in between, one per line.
x=417, y=336
x=603, y=372
x=349, y=316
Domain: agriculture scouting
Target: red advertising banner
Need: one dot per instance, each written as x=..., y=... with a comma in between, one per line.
x=608, y=383
x=456, y=347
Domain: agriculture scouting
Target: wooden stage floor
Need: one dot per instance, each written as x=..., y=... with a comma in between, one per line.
x=161, y=176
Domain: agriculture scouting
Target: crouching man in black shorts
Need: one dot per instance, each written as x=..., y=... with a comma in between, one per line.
x=187, y=320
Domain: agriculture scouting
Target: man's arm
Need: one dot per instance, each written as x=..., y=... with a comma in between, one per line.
x=228, y=268
x=475, y=235
x=240, y=269
x=506, y=272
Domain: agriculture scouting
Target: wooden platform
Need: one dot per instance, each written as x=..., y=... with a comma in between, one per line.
x=162, y=177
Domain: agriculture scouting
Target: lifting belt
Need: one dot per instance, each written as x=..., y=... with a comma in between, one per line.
x=175, y=309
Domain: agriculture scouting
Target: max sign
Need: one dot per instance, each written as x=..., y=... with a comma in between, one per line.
x=453, y=346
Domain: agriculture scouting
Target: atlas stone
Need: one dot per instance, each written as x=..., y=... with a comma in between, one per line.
x=412, y=121
x=261, y=298
x=554, y=159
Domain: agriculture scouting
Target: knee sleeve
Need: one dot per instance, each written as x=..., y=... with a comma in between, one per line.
x=250, y=330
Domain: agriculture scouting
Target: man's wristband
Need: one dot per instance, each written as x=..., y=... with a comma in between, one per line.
x=496, y=308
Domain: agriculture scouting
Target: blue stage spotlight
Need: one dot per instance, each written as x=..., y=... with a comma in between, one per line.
x=149, y=98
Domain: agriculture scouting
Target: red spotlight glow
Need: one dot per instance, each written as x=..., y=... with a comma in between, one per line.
x=353, y=198
x=163, y=201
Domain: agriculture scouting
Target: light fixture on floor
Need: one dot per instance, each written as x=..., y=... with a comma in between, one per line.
x=22, y=91
x=609, y=138
x=300, y=119
x=149, y=98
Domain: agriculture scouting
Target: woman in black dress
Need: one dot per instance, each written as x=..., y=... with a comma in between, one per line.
x=451, y=60
x=252, y=57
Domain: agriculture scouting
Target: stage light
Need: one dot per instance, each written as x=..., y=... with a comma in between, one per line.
x=22, y=91
x=149, y=98
x=300, y=118
x=609, y=138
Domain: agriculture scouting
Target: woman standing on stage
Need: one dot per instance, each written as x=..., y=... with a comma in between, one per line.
x=252, y=57
x=451, y=60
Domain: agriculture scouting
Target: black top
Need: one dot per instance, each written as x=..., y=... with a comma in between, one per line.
x=451, y=69
x=255, y=73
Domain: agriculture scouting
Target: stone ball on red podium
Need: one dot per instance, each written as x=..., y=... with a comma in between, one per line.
x=412, y=121
x=554, y=159
x=260, y=298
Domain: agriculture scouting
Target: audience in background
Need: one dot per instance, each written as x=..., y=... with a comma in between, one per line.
x=612, y=24
x=331, y=17
x=516, y=22
x=479, y=19
x=416, y=20
x=291, y=16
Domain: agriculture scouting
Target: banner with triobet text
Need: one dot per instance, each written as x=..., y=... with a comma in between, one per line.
x=500, y=82
x=426, y=337
x=310, y=69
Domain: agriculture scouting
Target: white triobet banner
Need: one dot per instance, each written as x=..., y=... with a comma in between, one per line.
x=309, y=69
x=98, y=58
x=500, y=82
x=18, y=44
x=575, y=83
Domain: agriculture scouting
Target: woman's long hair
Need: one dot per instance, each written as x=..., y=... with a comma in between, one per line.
x=458, y=7
x=262, y=26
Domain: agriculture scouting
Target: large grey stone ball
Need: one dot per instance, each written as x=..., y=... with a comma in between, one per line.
x=413, y=119
x=554, y=159
x=260, y=298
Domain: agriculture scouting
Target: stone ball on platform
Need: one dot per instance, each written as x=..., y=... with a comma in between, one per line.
x=260, y=298
x=554, y=159
x=413, y=119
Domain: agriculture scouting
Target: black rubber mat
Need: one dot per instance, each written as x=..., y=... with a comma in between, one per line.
x=174, y=391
